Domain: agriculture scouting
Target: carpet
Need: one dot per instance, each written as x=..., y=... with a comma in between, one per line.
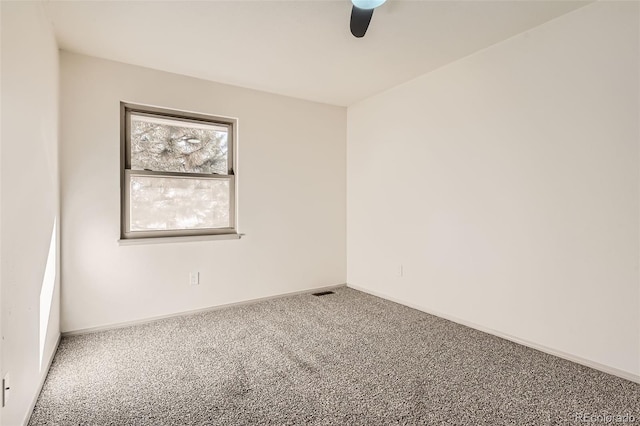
x=347, y=358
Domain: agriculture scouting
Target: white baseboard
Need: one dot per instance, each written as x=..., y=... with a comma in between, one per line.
x=560, y=354
x=42, y=380
x=194, y=311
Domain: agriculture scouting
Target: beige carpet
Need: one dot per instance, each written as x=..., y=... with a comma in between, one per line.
x=342, y=359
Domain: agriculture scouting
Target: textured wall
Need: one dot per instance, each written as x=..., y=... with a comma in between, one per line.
x=506, y=185
x=29, y=199
x=291, y=205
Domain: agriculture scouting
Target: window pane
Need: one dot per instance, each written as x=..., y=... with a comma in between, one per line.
x=163, y=144
x=159, y=203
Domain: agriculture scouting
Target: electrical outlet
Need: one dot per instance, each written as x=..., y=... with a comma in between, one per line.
x=5, y=389
x=194, y=278
x=400, y=271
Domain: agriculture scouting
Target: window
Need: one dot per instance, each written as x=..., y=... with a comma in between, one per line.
x=177, y=173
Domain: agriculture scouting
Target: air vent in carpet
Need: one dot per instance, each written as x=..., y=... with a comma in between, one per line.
x=323, y=293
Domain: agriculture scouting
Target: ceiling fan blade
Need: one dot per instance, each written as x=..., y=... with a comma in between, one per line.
x=360, y=19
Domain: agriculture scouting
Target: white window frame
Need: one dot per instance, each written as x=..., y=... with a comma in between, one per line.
x=126, y=109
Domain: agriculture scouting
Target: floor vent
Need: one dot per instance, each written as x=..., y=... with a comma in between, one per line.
x=323, y=293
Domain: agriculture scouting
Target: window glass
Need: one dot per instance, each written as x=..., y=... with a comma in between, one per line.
x=177, y=173
x=160, y=144
x=178, y=203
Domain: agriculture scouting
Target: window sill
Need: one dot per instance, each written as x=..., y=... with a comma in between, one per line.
x=184, y=239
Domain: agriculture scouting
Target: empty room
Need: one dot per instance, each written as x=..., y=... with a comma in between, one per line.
x=325, y=212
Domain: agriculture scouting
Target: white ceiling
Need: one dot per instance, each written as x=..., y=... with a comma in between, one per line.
x=296, y=48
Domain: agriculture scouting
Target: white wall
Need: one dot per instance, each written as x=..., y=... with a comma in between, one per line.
x=507, y=185
x=29, y=199
x=292, y=186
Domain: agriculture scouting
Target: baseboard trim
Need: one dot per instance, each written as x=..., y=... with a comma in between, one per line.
x=42, y=380
x=125, y=324
x=560, y=354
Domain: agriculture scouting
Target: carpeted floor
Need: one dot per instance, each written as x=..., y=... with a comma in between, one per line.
x=343, y=359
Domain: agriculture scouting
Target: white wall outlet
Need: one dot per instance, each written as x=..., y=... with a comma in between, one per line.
x=194, y=278
x=5, y=389
x=400, y=271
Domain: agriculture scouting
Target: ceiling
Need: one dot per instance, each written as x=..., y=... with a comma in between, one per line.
x=296, y=48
